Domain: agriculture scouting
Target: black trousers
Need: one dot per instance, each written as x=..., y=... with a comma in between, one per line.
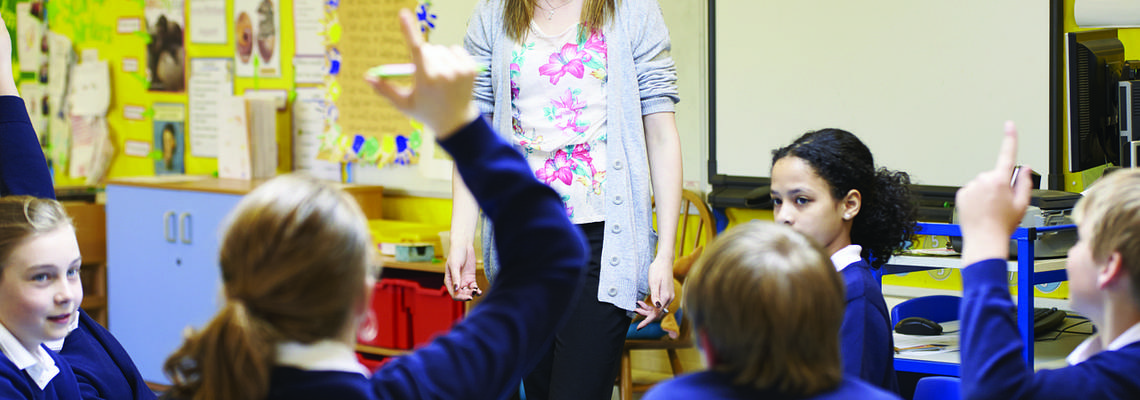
x=584, y=359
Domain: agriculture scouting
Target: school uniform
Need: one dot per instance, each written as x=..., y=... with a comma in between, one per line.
x=486, y=355
x=865, y=342
x=41, y=374
x=717, y=385
x=23, y=169
x=101, y=365
x=992, y=364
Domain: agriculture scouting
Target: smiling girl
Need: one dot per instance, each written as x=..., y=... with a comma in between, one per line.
x=40, y=294
x=825, y=186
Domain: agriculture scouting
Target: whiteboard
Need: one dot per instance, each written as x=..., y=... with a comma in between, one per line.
x=927, y=85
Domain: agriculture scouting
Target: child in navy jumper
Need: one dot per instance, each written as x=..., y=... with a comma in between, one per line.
x=1104, y=285
x=825, y=186
x=102, y=367
x=766, y=304
x=298, y=265
x=39, y=295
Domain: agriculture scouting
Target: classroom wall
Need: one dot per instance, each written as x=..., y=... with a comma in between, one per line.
x=91, y=24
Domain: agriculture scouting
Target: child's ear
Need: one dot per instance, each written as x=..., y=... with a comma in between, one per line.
x=852, y=203
x=706, y=348
x=1112, y=271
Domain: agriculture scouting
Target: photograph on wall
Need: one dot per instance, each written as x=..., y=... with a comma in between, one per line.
x=169, y=139
x=166, y=52
x=257, y=42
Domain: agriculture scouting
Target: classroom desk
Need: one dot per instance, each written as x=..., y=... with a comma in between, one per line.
x=1048, y=353
x=1031, y=272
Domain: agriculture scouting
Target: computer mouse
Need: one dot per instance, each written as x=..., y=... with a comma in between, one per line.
x=918, y=326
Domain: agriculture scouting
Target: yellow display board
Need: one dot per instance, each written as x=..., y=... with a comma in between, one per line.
x=95, y=24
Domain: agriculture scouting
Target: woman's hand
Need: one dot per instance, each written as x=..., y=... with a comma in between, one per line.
x=459, y=277
x=660, y=292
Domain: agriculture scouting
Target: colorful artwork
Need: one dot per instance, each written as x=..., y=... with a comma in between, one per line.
x=362, y=127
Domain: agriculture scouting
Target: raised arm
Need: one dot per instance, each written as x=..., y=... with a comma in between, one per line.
x=23, y=169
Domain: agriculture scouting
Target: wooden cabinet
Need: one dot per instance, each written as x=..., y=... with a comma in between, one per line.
x=90, y=230
x=162, y=255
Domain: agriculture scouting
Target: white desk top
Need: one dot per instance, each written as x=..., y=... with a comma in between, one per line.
x=1047, y=353
x=1051, y=264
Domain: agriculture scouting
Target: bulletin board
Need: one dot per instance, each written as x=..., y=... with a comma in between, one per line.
x=120, y=31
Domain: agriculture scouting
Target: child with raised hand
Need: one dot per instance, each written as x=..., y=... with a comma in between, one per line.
x=101, y=365
x=39, y=295
x=297, y=268
x=1104, y=285
x=825, y=185
x=766, y=305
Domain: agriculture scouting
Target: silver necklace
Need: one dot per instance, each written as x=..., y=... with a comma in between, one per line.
x=550, y=9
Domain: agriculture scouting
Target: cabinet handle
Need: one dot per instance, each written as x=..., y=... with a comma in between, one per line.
x=168, y=234
x=185, y=230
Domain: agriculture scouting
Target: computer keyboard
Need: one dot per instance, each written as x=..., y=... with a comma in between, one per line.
x=1047, y=319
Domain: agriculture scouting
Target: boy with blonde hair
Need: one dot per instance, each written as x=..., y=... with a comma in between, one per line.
x=1104, y=285
x=766, y=304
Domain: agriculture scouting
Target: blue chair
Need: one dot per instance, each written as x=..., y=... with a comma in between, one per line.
x=938, y=388
x=937, y=308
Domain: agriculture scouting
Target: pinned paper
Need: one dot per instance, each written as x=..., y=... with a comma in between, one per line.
x=89, y=93
x=209, y=18
x=211, y=79
x=257, y=38
x=169, y=139
x=308, y=27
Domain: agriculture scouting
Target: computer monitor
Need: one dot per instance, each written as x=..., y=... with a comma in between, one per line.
x=1095, y=60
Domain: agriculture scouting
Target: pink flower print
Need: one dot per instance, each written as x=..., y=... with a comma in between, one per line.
x=596, y=43
x=567, y=108
x=557, y=168
x=582, y=152
x=569, y=60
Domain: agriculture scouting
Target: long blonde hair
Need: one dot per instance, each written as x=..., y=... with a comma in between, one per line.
x=770, y=304
x=517, y=15
x=294, y=260
x=22, y=217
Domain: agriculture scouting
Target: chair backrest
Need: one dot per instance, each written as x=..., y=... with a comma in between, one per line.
x=938, y=388
x=692, y=234
x=937, y=308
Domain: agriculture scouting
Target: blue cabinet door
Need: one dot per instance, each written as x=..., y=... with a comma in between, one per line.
x=163, y=274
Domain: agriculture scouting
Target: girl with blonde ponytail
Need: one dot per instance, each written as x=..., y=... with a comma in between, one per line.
x=297, y=267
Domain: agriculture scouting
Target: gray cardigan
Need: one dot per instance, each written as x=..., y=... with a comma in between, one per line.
x=642, y=81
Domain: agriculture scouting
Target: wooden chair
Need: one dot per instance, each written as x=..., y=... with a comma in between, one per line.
x=690, y=236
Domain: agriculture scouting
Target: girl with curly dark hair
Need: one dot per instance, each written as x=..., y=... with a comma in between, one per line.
x=825, y=185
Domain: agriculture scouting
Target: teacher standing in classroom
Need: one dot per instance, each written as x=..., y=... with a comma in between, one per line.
x=585, y=89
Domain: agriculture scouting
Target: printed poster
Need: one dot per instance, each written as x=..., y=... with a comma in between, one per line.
x=257, y=39
x=166, y=52
x=169, y=138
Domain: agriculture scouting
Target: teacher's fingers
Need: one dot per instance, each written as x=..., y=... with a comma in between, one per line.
x=1008, y=152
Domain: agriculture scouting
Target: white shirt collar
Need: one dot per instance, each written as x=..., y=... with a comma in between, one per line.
x=1091, y=346
x=847, y=256
x=57, y=345
x=325, y=355
x=39, y=365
